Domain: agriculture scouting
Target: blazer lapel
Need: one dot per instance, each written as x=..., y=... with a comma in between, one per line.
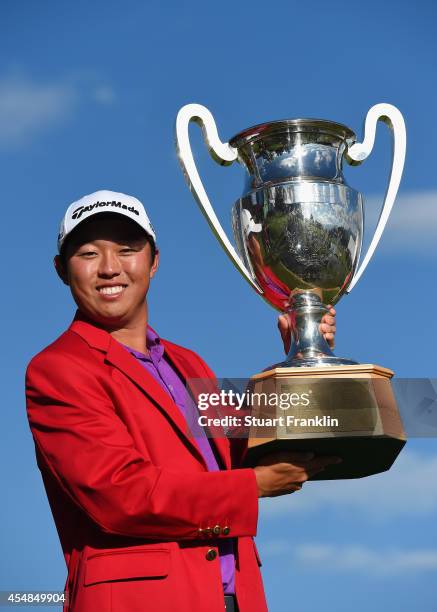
x=118, y=356
x=220, y=440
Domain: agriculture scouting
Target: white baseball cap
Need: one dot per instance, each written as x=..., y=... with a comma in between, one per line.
x=103, y=201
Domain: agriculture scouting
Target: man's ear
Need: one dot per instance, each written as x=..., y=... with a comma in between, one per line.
x=60, y=269
x=155, y=264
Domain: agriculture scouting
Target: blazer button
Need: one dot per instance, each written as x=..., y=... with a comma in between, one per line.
x=207, y=531
x=217, y=530
x=211, y=554
x=200, y=532
x=226, y=530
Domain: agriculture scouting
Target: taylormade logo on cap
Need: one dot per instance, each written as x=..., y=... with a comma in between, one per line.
x=78, y=212
x=104, y=201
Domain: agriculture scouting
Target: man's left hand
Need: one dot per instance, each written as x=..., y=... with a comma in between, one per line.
x=327, y=328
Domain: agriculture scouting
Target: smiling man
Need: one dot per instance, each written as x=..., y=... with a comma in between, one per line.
x=149, y=517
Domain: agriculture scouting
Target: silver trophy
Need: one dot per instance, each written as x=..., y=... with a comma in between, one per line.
x=298, y=226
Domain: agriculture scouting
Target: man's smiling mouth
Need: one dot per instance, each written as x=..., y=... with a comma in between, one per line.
x=111, y=289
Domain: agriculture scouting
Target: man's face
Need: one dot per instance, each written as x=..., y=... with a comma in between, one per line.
x=108, y=268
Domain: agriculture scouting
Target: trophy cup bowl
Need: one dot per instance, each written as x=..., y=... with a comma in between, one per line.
x=299, y=226
x=298, y=229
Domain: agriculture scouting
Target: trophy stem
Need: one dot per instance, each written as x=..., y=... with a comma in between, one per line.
x=308, y=346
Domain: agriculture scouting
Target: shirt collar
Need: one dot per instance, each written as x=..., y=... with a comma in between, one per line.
x=153, y=343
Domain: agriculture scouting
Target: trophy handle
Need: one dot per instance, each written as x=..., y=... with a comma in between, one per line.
x=359, y=151
x=224, y=155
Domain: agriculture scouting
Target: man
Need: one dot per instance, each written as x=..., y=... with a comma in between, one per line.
x=149, y=518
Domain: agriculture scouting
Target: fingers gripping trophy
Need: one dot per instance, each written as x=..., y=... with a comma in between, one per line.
x=298, y=229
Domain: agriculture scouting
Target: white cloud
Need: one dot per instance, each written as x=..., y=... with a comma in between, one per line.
x=352, y=558
x=104, y=94
x=363, y=559
x=408, y=489
x=274, y=548
x=412, y=224
x=29, y=107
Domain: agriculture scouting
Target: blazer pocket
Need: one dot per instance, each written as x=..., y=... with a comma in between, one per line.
x=125, y=565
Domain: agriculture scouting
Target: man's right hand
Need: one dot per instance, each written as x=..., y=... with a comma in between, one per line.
x=285, y=472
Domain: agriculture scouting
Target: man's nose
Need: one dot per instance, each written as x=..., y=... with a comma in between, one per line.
x=109, y=264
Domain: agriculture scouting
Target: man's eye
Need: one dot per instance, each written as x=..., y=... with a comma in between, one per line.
x=87, y=253
x=127, y=249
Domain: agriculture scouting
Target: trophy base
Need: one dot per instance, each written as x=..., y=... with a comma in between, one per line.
x=348, y=410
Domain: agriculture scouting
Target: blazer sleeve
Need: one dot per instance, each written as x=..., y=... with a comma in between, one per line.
x=87, y=448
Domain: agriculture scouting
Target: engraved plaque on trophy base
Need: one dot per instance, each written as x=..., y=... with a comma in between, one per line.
x=349, y=411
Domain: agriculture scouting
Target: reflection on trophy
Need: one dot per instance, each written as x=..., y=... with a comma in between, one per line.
x=298, y=229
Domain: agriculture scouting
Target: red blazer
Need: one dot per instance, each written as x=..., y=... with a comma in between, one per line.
x=129, y=489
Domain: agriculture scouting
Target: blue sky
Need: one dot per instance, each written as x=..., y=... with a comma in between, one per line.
x=88, y=97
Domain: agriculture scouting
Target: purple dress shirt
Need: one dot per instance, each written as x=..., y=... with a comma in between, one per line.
x=163, y=372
